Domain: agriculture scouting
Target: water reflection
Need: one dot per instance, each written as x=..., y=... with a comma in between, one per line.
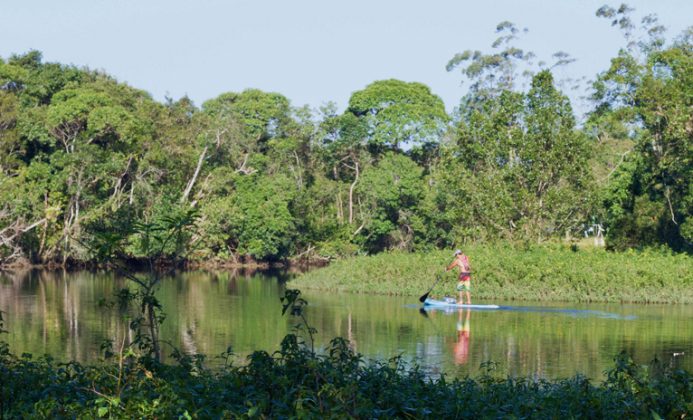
x=463, y=332
x=59, y=313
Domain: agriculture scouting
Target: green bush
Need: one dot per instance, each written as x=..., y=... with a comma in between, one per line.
x=295, y=382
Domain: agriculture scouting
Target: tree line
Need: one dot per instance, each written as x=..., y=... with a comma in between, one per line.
x=83, y=156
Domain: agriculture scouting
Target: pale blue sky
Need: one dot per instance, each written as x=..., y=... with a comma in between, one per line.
x=311, y=51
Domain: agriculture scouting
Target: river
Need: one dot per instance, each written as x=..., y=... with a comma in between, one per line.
x=58, y=313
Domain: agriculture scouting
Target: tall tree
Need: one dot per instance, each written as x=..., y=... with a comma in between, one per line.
x=497, y=72
x=553, y=162
x=399, y=113
x=518, y=169
x=389, y=196
x=648, y=91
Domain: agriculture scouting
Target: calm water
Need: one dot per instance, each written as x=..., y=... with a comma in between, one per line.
x=58, y=314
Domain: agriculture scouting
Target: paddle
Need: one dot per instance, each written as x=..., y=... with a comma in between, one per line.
x=422, y=299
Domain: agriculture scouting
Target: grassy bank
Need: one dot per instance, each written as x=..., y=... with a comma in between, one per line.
x=552, y=273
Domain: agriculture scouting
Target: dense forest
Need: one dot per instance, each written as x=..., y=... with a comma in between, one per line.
x=82, y=155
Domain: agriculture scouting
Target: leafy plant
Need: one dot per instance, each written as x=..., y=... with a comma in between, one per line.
x=163, y=241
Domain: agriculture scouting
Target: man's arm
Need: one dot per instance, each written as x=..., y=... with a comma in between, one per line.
x=452, y=265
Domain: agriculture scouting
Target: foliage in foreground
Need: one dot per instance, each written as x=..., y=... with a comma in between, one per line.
x=545, y=273
x=296, y=382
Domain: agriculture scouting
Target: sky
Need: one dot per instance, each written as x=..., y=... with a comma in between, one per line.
x=311, y=51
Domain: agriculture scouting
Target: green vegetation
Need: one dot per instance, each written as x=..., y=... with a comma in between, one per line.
x=295, y=381
x=536, y=273
x=93, y=170
x=82, y=155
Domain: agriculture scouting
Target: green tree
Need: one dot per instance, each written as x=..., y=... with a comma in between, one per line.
x=78, y=133
x=11, y=150
x=261, y=115
x=345, y=157
x=648, y=90
x=553, y=162
x=398, y=113
x=388, y=198
x=248, y=217
x=492, y=74
x=518, y=169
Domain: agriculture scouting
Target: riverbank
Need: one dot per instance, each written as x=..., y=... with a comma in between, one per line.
x=539, y=273
x=293, y=266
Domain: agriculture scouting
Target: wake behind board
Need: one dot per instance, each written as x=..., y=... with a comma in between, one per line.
x=432, y=303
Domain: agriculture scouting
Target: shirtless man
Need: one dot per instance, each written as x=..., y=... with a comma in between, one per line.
x=465, y=278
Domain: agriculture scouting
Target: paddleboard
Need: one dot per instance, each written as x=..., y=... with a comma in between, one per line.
x=444, y=304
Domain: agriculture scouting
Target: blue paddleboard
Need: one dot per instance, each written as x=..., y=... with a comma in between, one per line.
x=443, y=304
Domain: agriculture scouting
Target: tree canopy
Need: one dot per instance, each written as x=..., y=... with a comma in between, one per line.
x=82, y=155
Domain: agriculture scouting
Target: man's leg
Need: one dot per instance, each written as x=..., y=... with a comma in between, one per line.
x=469, y=299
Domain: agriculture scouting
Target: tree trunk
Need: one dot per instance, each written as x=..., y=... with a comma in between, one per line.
x=340, y=210
x=351, y=193
x=186, y=193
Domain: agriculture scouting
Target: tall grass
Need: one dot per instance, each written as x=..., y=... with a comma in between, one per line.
x=539, y=273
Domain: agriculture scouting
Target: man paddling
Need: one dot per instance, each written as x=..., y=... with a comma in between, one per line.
x=465, y=278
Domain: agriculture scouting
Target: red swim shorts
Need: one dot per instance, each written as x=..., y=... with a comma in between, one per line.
x=465, y=276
